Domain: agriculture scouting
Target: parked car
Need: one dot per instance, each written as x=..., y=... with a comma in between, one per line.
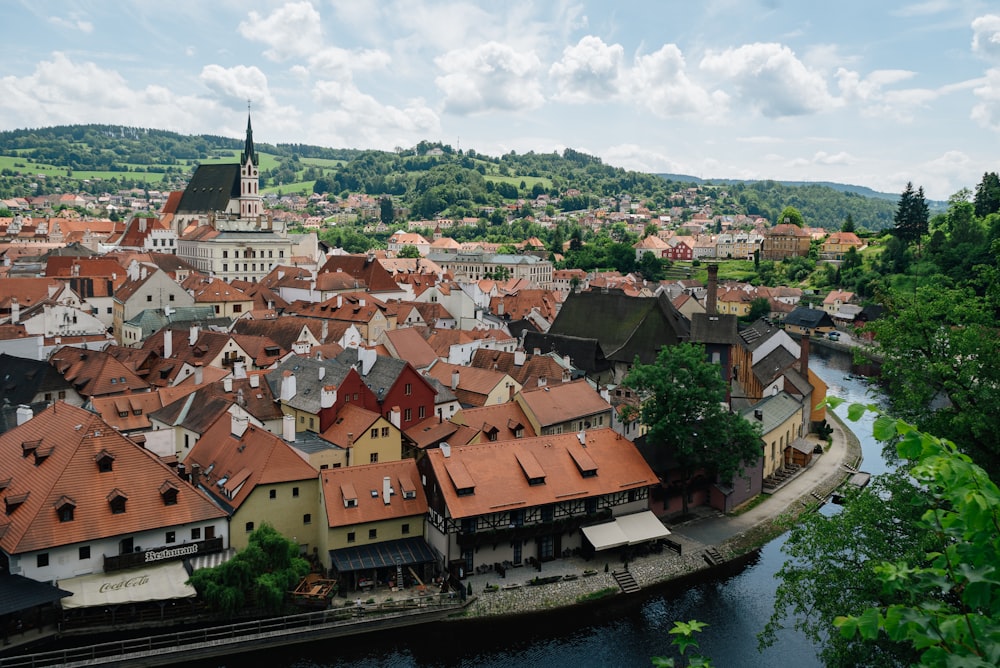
x=833, y=336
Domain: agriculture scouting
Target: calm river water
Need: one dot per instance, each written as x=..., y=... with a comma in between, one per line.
x=625, y=633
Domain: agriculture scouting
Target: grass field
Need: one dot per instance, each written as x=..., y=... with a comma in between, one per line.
x=529, y=181
x=20, y=164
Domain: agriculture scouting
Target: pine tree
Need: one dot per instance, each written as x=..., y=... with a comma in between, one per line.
x=912, y=215
x=987, y=199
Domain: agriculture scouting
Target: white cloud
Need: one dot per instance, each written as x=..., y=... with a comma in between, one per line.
x=987, y=111
x=660, y=83
x=924, y=8
x=986, y=36
x=341, y=63
x=353, y=118
x=72, y=24
x=294, y=29
x=489, y=77
x=235, y=85
x=770, y=79
x=644, y=159
x=761, y=139
x=854, y=88
x=840, y=158
x=588, y=71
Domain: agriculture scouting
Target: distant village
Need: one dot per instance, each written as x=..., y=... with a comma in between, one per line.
x=174, y=380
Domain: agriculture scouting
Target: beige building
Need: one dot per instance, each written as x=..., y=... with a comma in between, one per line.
x=472, y=266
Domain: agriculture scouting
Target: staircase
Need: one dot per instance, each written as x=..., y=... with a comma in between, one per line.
x=781, y=476
x=712, y=556
x=625, y=581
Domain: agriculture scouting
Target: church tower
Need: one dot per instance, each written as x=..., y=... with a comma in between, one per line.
x=250, y=200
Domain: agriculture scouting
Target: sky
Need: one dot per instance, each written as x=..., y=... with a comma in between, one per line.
x=876, y=94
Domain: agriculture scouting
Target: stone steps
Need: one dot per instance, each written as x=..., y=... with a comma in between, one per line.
x=626, y=581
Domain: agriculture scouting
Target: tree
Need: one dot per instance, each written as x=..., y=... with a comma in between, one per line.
x=791, y=216
x=650, y=266
x=408, y=251
x=912, y=215
x=259, y=574
x=987, y=198
x=760, y=307
x=945, y=602
x=848, y=225
x=386, y=212
x=682, y=409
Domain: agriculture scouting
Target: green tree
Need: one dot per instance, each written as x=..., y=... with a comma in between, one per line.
x=945, y=602
x=848, y=225
x=408, y=251
x=651, y=267
x=682, y=408
x=259, y=575
x=912, y=215
x=386, y=212
x=760, y=307
x=792, y=216
x=987, y=198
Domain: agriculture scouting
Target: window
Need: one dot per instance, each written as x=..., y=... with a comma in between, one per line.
x=409, y=389
x=546, y=547
x=171, y=297
x=548, y=513
x=373, y=459
x=372, y=534
x=117, y=505
x=375, y=432
x=295, y=492
x=171, y=537
x=517, y=552
x=209, y=533
x=66, y=512
x=408, y=414
x=149, y=298
x=385, y=432
x=42, y=560
x=196, y=533
x=307, y=518
x=355, y=396
x=273, y=494
x=350, y=537
x=84, y=552
x=422, y=412
x=405, y=529
x=225, y=253
x=249, y=527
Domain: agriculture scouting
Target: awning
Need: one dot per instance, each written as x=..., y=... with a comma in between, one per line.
x=19, y=593
x=404, y=552
x=151, y=583
x=626, y=530
x=210, y=560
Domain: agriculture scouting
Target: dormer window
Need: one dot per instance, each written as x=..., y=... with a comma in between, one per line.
x=41, y=454
x=105, y=461
x=168, y=492
x=117, y=499
x=29, y=447
x=65, y=508
x=14, y=501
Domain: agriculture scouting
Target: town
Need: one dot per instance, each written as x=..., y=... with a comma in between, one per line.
x=406, y=417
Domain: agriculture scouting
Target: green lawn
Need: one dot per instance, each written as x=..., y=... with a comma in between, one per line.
x=300, y=187
x=326, y=163
x=23, y=165
x=529, y=181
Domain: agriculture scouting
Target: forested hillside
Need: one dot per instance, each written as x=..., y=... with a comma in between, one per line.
x=428, y=180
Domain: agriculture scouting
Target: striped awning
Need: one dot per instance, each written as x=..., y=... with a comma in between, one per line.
x=210, y=560
x=401, y=552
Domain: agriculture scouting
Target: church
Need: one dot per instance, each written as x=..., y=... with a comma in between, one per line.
x=222, y=227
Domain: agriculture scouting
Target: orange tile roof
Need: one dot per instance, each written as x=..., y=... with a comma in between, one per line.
x=351, y=423
x=470, y=380
x=131, y=412
x=358, y=483
x=505, y=419
x=74, y=439
x=497, y=472
x=95, y=373
x=554, y=404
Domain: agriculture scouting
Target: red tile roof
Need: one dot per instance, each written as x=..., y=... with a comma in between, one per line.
x=349, y=499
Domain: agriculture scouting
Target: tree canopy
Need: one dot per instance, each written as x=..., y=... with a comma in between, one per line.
x=912, y=215
x=792, y=216
x=682, y=408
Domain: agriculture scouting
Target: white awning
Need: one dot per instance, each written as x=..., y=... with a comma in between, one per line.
x=626, y=530
x=150, y=583
x=211, y=560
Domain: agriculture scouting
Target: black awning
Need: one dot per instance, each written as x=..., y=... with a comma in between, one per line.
x=403, y=552
x=19, y=593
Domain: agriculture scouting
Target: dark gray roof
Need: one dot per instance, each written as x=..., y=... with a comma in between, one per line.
x=773, y=365
x=444, y=393
x=22, y=379
x=584, y=353
x=755, y=334
x=383, y=374
x=18, y=593
x=308, y=384
x=774, y=410
x=809, y=317
x=210, y=189
x=715, y=328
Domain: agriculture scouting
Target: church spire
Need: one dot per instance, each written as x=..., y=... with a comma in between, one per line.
x=248, y=150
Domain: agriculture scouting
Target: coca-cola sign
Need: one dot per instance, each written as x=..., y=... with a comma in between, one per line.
x=125, y=583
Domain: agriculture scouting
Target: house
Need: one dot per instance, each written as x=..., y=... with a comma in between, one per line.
x=361, y=436
x=32, y=382
x=374, y=526
x=784, y=241
x=408, y=344
x=808, y=321
x=81, y=499
x=496, y=422
x=475, y=387
x=95, y=373
x=651, y=244
x=370, y=316
x=226, y=301
x=395, y=384
x=368, y=271
x=564, y=408
x=146, y=288
x=779, y=417
x=836, y=246
x=836, y=300
x=313, y=390
x=401, y=239
x=257, y=477
x=527, y=370
x=149, y=321
x=531, y=500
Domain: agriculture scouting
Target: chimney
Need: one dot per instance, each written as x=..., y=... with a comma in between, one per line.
x=394, y=413
x=193, y=335
x=239, y=370
x=340, y=301
x=322, y=372
x=328, y=396
x=199, y=374
x=804, y=356
x=445, y=450
x=542, y=382
x=386, y=490
x=519, y=357
x=195, y=473
x=23, y=414
x=713, y=289
x=15, y=311
x=500, y=307
x=239, y=425
x=288, y=428
x=325, y=331
x=255, y=380
x=142, y=225
x=168, y=343
x=361, y=302
x=287, y=386
x=454, y=379
x=227, y=384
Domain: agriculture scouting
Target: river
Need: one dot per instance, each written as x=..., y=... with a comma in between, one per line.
x=622, y=633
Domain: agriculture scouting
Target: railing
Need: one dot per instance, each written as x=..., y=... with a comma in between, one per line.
x=528, y=531
x=226, y=635
x=134, y=559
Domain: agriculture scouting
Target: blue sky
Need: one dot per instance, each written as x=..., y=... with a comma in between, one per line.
x=869, y=93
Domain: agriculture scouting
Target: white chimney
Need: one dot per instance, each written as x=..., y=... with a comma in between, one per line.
x=168, y=343
x=199, y=374
x=15, y=311
x=239, y=370
x=255, y=380
x=455, y=376
x=193, y=336
x=227, y=384
x=519, y=357
x=361, y=302
x=288, y=428
x=394, y=416
x=445, y=450
x=340, y=301
x=23, y=414
x=322, y=372
x=328, y=396
x=240, y=425
x=367, y=357
x=325, y=331
x=287, y=386
x=386, y=490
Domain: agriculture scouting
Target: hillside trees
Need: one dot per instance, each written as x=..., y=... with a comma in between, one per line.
x=912, y=215
x=987, y=198
x=791, y=216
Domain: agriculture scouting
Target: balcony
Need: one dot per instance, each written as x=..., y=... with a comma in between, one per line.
x=140, y=558
x=528, y=531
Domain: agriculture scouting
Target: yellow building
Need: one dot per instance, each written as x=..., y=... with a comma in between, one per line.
x=780, y=420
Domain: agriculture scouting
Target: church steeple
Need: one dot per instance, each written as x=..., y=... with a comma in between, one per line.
x=248, y=150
